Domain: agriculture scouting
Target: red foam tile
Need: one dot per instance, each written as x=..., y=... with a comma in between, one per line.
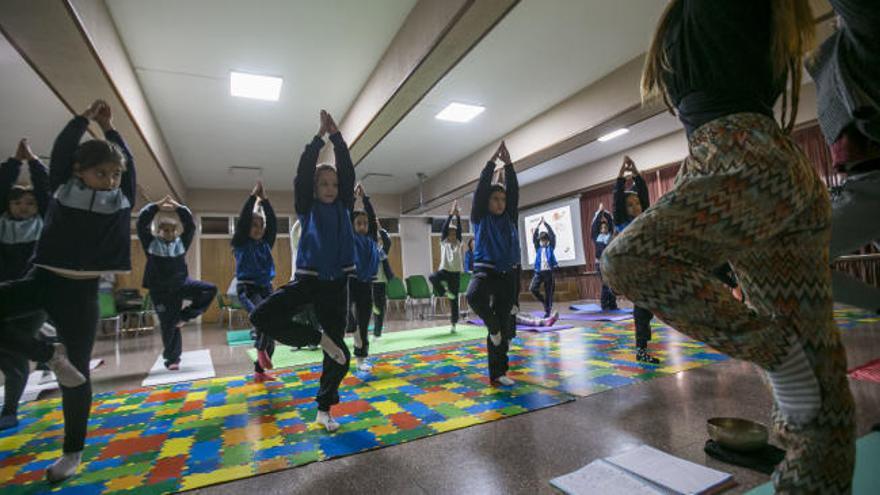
x=167, y=468
x=405, y=421
x=16, y=460
x=129, y=446
x=351, y=407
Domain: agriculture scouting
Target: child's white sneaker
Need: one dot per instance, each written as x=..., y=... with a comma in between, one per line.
x=363, y=365
x=64, y=467
x=453, y=329
x=326, y=420
x=495, y=338
x=505, y=380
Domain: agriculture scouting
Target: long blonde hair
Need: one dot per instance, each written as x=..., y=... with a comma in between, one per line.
x=792, y=36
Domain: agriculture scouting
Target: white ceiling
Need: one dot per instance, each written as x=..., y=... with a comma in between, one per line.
x=28, y=108
x=183, y=52
x=538, y=55
x=646, y=130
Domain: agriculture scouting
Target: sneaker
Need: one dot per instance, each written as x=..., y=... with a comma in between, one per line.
x=377, y=336
x=553, y=319
x=453, y=329
x=643, y=356
x=66, y=373
x=64, y=467
x=364, y=365
x=180, y=324
x=495, y=338
x=172, y=366
x=262, y=377
x=326, y=420
x=8, y=421
x=264, y=360
x=376, y=310
x=505, y=380
x=313, y=347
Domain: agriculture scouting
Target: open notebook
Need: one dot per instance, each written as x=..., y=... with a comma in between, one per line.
x=643, y=471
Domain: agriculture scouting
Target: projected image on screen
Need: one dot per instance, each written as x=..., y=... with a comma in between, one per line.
x=560, y=219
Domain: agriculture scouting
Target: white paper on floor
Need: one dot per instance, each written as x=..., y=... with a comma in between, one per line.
x=194, y=365
x=38, y=381
x=643, y=471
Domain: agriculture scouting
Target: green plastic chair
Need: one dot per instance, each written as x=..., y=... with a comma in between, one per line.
x=228, y=305
x=418, y=290
x=107, y=310
x=396, y=291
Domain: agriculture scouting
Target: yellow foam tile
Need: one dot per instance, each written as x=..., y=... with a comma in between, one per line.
x=388, y=383
x=287, y=415
x=491, y=415
x=461, y=404
x=217, y=476
x=455, y=423
x=194, y=396
x=175, y=446
x=46, y=456
x=601, y=364
x=383, y=430
x=387, y=407
x=267, y=443
x=223, y=411
x=124, y=483
x=15, y=442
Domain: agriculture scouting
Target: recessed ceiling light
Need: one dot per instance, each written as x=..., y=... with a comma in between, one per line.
x=459, y=112
x=613, y=134
x=254, y=86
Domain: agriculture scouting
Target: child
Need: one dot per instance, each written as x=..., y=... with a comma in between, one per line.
x=20, y=227
x=494, y=214
x=469, y=256
x=627, y=206
x=747, y=194
x=86, y=233
x=601, y=233
x=447, y=278
x=166, y=275
x=252, y=244
x=324, y=199
x=545, y=263
x=380, y=285
x=360, y=282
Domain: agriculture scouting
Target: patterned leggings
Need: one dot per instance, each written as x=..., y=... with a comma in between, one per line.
x=747, y=195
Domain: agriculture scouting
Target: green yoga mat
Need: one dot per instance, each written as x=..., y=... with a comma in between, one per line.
x=239, y=337
x=866, y=478
x=286, y=357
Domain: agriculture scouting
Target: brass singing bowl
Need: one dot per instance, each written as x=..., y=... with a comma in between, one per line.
x=738, y=434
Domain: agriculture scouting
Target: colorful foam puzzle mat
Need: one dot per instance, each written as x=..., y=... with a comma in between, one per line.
x=188, y=435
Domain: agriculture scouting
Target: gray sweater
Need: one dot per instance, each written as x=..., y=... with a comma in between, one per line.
x=846, y=68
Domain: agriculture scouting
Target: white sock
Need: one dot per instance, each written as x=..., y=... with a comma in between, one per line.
x=796, y=388
x=64, y=467
x=327, y=421
x=66, y=373
x=496, y=338
x=362, y=364
x=332, y=349
x=358, y=341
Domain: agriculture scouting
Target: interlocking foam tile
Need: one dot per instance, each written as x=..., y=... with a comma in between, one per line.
x=848, y=317
x=188, y=435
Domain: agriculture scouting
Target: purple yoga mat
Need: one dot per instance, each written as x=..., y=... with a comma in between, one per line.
x=479, y=322
x=595, y=308
x=590, y=316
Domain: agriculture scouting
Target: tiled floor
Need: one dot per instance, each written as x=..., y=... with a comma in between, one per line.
x=519, y=454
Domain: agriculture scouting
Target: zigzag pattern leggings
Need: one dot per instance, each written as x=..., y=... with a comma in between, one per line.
x=746, y=194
